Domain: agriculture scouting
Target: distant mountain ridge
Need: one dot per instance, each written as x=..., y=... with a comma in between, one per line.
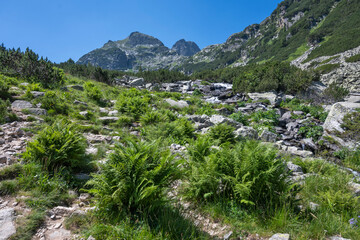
x=139, y=51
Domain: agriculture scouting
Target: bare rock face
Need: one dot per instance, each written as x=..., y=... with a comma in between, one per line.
x=7, y=226
x=338, y=111
x=185, y=48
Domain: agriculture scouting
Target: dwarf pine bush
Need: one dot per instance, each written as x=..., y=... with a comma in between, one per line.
x=58, y=147
x=134, y=179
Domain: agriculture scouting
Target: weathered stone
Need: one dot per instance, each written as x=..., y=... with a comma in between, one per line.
x=355, y=188
x=7, y=226
x=295, y=169
x=108, y=119
x=3, y=159
x=246, y=132
x=338, y=238
x=103, y=110
x=178, y=104
x=268, y=136
x=137, y=82
x=37, y=111
x=21, y=104
x=219, y=119
x=113, y=113
x=84, y=113
x=37, y=94
x=76, y=87
x=77, y=102
x=91, y=150
x=314, y=206
x=274, y=99
x=280, y=236
x=335, y=117
x=300, y=153
x=309, y=144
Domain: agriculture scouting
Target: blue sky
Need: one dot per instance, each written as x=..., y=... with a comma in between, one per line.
x=67, y=29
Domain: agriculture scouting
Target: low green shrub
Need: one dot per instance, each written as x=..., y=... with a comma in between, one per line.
x=4, y=113
x=311, y=130
x=324, y=69
x=134, y=179
x=355, y=58
x=240, y=117
x=52, y=102
x=222, y=133
x=28, y=225
x=179, y=131
x=335, y=93
x=8, y=187
x=4, y=89
x=351, y=125
x=10, y=172
x=58, y=148
x=124, y=121
x=152, y=117
x=93, y=91
x=133, y=106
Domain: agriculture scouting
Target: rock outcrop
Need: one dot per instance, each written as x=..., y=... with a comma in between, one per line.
x=185, y=48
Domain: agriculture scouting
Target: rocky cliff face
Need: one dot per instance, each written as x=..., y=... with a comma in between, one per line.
x=345, y=74
x=293, y=28
x=139, y=51
x=185, y=48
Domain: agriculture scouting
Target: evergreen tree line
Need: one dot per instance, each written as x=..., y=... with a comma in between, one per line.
x=28, y=65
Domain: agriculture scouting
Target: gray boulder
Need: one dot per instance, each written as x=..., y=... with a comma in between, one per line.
x=300, y=153
x=178, y=104
x=108, y=119
x=7, y=226
x=274, y=99
x=137, y=82
x=268, y=136
x=246, y=132
x=335, y=118
x=295, y=169
x=37, y=94
x=21, y=104
x=37, y=111
x=280, y=236
x=219, y=119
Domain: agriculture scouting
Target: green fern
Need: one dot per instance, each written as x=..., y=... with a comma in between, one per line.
x=58, y=147
x=134, y=179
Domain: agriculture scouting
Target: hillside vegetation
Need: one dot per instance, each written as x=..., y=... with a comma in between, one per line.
x=145, y=171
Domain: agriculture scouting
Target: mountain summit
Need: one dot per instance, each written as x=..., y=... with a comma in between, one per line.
x=137, y=51
x=185, y=48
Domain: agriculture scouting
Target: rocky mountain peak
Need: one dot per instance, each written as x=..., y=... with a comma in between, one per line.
x=137, y=38
x=186, y=48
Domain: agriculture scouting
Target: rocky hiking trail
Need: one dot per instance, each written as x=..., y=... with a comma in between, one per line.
x=14, y=137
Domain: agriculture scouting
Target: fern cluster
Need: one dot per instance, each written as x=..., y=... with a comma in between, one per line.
x=134, y=179
x=250, y=173
x=58, y=147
